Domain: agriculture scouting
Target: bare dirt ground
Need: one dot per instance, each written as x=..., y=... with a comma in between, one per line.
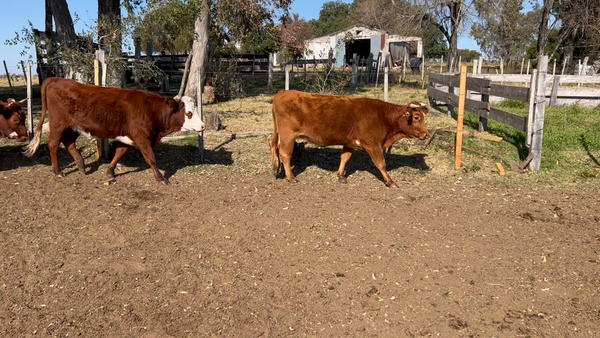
x=228, y=250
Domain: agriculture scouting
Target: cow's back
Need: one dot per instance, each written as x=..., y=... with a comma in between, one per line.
x=101, y=111
x=328, y=119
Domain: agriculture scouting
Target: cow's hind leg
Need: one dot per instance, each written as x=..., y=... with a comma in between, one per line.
x=69, y=139
x=286, y=148
x=121, y=150
x=275, y=162
x=54, y=140
x=377, y=157
x=346, y=154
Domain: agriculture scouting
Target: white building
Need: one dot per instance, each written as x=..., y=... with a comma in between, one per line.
x=362, y=41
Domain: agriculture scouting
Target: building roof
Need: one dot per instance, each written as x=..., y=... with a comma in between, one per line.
x=350, y=28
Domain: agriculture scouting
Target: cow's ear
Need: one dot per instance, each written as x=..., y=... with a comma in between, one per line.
x=173, y=105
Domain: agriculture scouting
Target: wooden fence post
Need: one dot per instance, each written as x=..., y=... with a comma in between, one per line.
x=423, y=71
x=531, y=107
x=461, y=112
x=522, y=64
x=554, y=95
x=540, y=111
x=270, y=72
x=354, y=79
x=29, y=108
x=442, y=65
x=100, y=71
x=563, y=67
x=502, y=66
x=483, y=121
x=554, y=68
x=199, y=91
x=528, y=64
x=404, y=57
x=459, y=61
x=385, y=82
x=479, y=65
x=24, y=70
x=8, y=77
x=287, y=78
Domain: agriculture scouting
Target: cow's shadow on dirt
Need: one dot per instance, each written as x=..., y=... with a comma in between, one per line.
x=170, y=158
x=329, y=159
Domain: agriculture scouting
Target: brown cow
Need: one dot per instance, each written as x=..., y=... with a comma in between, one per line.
x=363, y=124
x=132, y=117
x=12, y=120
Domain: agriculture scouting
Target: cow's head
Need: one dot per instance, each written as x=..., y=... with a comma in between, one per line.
x=415, y=119
x=185, y=111
x=12, y=120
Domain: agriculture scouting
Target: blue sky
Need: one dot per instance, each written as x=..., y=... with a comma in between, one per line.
x=17, y=15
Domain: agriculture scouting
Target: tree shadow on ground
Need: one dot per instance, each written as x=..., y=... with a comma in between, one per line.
x=329, y=159
x=170, y=158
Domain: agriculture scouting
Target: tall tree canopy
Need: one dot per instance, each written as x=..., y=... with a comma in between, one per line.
x=334, y=16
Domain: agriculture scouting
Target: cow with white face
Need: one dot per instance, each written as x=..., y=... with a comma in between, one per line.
x=12, y=120
x=135, y=118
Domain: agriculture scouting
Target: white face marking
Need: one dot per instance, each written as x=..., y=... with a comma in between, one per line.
x=124, y=139
x=13, y=135
x=82, y=132
x=357, y=142
x=412, y=105
x=195, y=123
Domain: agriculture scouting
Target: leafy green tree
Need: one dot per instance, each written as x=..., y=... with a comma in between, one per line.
x=434, y=45
x=334, y=16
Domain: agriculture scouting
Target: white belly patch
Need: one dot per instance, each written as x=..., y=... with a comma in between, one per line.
x=124, y=139
x=82, y=132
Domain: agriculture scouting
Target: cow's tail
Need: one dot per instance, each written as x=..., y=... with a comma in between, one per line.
x=274, y=144
x=33, y=146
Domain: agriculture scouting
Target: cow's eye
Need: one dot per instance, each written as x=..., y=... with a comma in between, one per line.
x=188, y=114
x=416, y=118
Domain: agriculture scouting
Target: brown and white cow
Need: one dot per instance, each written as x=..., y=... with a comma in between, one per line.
x=363, y=124
x=132, y=117
x=12, y=120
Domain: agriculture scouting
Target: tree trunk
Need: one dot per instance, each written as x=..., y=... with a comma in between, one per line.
x=48, y=18
x=543, y=33
x=455, y=8
x=199, y=53
x=110, y=39
x=64, y=23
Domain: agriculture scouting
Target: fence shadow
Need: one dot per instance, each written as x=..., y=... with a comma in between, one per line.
x=329, y=159
x=170, y=158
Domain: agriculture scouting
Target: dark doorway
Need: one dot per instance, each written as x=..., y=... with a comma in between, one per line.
x=361, y=47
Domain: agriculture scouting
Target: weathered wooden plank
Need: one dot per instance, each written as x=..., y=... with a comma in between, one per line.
x=555, y=85
x=516, y=121
x=510, y=92
x=473, y=106
x=585, y=79
x=538, y=116
x=474, y=84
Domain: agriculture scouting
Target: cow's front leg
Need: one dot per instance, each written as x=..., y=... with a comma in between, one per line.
x=346, y=154
x=377, y=157
x=121, y=150
x=146, y=149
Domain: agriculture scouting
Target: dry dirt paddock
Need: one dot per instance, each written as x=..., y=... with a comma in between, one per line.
x=228, y=250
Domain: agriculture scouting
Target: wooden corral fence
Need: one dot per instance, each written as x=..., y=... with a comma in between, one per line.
x=543, y=90
x=441, y=89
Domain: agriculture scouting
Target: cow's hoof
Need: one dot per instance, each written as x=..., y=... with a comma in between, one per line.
x=294, y=181
x=391, y=184
x=342, y=179
x=165, y=182
x=82, y=172
x=61, y=175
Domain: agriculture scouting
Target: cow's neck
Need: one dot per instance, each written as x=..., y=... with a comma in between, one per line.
x=394, y=124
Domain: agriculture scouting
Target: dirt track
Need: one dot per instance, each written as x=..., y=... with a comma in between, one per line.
x=229, y=252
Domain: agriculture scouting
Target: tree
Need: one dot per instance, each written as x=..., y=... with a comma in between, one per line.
x=434, y=45
x=294, y=34
x=392, y=16
x=59, y=11
x=110, y=39
x=502, y=30
x=334, y=16
x=169, y=26
x=544, y=30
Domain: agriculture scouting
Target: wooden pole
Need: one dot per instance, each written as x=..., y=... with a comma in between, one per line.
x=540, y=111
x=480, y=64
x=502, y=66
x=554, y=68
x=378, y=66
x=423, y=71
x=531, y=110
x=403, y=66
x=528, y=64
x=459, y=61
x=578, y=72
x=522, y=64
x=563, y=67
x=287, y=78
x=461, y=113
x=24, y=70
x=442, y=65
x=29, y=108
x=8, y=77
x=199, y=91
x=385, y=83
x=99, y=144
x=554, y=95
x=585, y=61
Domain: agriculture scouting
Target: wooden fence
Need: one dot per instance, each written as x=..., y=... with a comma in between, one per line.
x=441, y=89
